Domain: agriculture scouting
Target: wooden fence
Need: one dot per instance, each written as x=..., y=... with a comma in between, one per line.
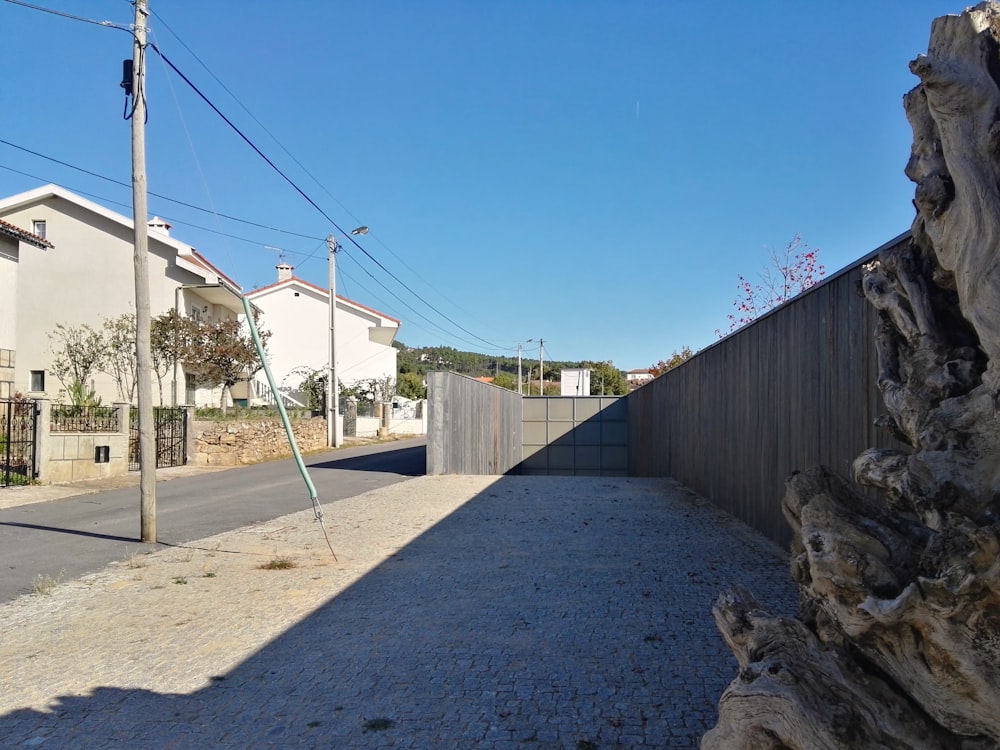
x=793, y=389
x=472, y=427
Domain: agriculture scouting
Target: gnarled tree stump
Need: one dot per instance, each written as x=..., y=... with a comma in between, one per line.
x=897, y=644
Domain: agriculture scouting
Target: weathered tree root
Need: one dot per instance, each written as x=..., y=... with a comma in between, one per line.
x=794, y=692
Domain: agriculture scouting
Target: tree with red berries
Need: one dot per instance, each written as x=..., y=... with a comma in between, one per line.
x=789, y=273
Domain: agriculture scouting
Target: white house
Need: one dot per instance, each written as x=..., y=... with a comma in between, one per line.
x=638, y=377
x=297, y=313
x=82, y=272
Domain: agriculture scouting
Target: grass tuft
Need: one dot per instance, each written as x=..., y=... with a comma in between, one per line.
x=278, y=563
x=44, y=585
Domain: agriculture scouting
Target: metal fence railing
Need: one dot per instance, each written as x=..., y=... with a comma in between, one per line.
x=69, y=418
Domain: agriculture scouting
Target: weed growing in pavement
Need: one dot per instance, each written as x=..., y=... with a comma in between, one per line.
x=135, y=559
x=44, y=585
x=208, y=574
x=180, y=580
x=278, y=563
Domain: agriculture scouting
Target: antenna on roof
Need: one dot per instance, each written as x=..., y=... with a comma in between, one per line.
x=281, y=253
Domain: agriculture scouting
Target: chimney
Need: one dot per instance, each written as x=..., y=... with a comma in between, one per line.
x=156, y=224
x=284, y=271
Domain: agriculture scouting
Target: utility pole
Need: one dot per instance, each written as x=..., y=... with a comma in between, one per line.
x=520, y=392
x=541, y=372
x=143, y=356
x=332, y=394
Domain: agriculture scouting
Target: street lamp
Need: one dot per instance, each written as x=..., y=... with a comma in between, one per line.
x=332, y=392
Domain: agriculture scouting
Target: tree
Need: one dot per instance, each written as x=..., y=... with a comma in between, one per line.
x=77, y=353
x=410, y=385
x=676, y=358
x=788, y=274
x=314, y=388
x=119, y=350
x=606, y=379
x=383, y=389
x=221, y=353
x=171, y=335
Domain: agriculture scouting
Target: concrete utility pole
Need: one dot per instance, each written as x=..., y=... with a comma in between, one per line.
x=143, y=356
x=332, y=394
x=519, y=390
x=541, y=372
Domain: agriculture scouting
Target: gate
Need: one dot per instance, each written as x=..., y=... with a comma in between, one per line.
x=350, y=418
x=18, y=427
x=171, y=437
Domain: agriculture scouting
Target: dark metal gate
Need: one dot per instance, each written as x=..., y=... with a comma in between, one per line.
x=18, y=428
x=171, y=437
x=350, y=412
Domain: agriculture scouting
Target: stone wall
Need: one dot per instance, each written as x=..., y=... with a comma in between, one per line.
x=249, y=441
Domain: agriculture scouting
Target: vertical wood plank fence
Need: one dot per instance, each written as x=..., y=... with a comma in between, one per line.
x=472, y=427
x=795, y=388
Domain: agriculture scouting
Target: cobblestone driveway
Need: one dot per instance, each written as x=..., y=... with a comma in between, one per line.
x=461, y=612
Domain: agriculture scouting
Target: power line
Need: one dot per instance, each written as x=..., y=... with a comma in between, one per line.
x=171, y=219
x=106, y=24
x=311, y=202
x=157, y=195
x=297, y=162
x=109, y=24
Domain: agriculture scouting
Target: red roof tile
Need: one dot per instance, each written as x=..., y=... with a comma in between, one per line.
x=23, y=235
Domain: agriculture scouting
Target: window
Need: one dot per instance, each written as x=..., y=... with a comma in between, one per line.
x=38, y=228
x=37, y=384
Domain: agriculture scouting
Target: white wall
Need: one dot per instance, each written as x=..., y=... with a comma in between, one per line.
x=300, y=329
x=8, y=290
x=86, y=277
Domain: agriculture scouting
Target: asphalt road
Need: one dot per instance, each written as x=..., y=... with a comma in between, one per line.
x=68, y=538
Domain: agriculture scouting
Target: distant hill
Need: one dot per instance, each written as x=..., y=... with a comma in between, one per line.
x=420, y=360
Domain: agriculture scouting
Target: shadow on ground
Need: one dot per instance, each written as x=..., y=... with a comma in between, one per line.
x=544, y=613
x=410, y=462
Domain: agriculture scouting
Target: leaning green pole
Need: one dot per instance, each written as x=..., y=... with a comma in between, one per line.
x=317, y=508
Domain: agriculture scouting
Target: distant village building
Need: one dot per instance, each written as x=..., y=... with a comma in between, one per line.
x=637, y=378
x=575, y=382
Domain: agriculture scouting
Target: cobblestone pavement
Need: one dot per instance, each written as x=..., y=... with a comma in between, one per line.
x=460, y=612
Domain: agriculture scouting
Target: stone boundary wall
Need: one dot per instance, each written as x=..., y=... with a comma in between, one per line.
x=249, y=441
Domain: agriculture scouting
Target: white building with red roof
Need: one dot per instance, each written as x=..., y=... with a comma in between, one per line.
x=82, y=272
x=297, y=313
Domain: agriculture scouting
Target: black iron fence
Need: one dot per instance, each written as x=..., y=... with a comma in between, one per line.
x=68, y=418
x=18, y=425
x=171, y=437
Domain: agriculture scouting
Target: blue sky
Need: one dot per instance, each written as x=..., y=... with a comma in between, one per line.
x=596, y=174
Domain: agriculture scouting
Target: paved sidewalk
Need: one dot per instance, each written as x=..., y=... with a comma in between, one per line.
x=461, y=612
